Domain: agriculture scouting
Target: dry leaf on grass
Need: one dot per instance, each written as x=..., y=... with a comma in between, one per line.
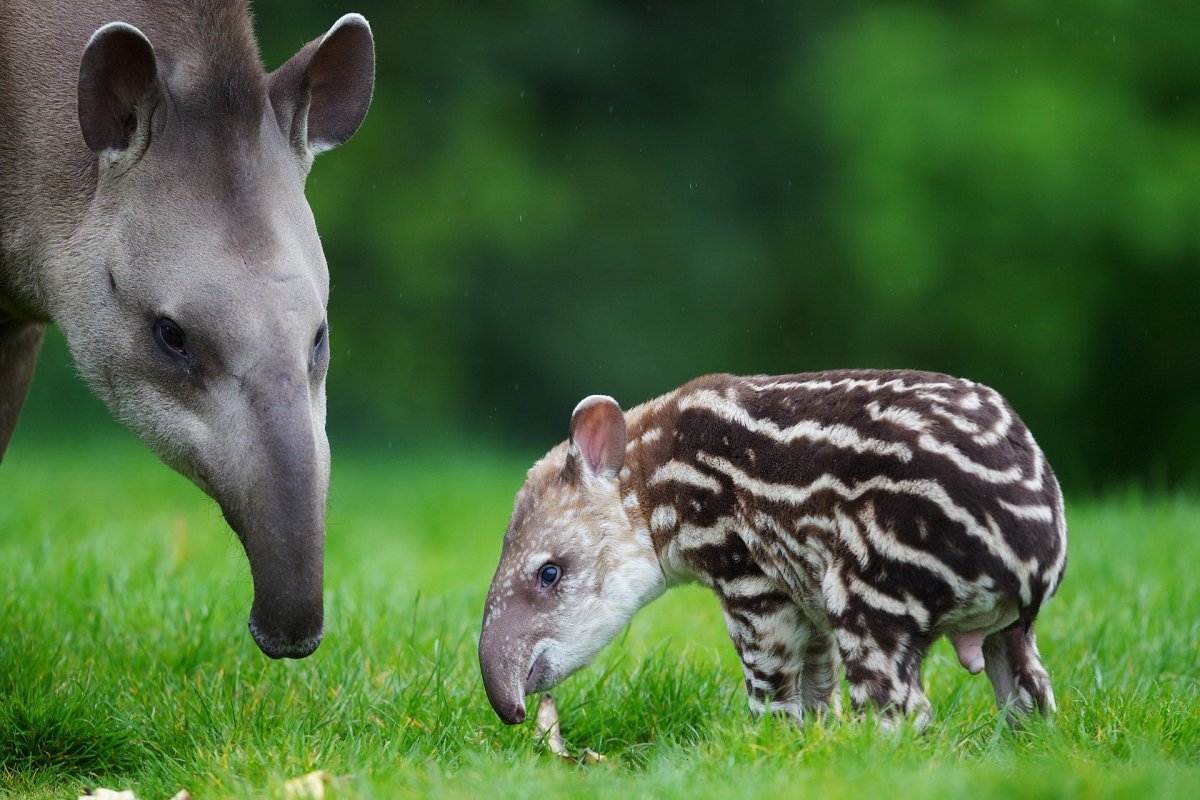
x=127, y=794
x=590, y=756
x=548, y=731
x=314, y=785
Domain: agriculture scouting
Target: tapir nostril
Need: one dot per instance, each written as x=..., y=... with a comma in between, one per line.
x=517, y=715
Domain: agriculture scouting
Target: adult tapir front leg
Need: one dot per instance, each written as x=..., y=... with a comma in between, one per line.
x=20, y=343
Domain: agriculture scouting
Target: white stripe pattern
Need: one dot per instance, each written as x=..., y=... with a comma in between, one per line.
x=838, y=435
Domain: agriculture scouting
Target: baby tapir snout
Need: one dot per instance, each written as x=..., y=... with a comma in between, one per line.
x=504, y=654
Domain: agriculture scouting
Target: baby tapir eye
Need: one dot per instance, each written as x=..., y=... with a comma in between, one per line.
x=548, y=575
x=171, y=338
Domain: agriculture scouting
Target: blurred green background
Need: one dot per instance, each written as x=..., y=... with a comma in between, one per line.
x=552, y=199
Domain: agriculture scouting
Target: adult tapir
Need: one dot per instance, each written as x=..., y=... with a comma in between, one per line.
x=152, y=206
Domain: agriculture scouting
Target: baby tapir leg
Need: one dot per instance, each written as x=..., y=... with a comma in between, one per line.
x=789, y=665
x=1014, y=666
x=772, y=639
x=818, y=679
x=883, y=664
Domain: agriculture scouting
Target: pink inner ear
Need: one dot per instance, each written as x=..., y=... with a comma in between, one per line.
x=592, y=442
x=598, y=431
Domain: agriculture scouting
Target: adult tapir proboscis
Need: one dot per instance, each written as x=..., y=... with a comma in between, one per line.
x=152, y=206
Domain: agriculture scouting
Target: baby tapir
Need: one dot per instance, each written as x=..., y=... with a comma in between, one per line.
x=850, y=516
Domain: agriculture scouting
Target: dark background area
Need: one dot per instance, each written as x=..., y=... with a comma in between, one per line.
x=553, y=199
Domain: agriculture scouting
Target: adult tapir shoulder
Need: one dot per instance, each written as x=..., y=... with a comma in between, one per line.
x=152, y=206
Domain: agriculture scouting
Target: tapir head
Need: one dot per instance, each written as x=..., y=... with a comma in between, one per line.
x=199, y=287
x=574, y=569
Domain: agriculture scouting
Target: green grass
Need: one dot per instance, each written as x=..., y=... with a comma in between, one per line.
x=125, y=661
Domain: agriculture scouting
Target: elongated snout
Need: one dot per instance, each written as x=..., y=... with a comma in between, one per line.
x=504, y=663
x=276, y=504
x=513, y=661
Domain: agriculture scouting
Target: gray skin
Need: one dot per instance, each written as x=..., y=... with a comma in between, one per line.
x=152, y=206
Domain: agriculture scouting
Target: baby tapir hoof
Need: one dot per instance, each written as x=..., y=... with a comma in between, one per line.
x=848, y=517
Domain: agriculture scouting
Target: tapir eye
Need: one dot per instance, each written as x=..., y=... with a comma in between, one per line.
x=170, y=336
x=548, y=575
x=319, y=340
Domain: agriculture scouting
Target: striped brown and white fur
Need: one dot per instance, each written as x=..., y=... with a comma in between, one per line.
x=847, y=517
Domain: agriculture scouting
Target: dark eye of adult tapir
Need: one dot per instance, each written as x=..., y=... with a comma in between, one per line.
x=548, y=575
x=171, y=337
x=319, y=340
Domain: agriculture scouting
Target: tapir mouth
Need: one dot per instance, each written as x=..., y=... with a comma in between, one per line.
x=539, y=678
x=285, y=648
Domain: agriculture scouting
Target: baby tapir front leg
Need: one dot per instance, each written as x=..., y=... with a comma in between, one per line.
x=788, y=663
x=882, y=655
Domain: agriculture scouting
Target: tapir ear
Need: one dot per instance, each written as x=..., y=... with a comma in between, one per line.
x=118, y=84
x=597, y=437
x=322, y=93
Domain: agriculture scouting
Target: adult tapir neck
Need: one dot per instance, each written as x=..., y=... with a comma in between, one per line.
x=208, y=59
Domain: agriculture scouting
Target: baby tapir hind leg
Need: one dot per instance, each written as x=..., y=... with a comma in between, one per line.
x=1014, y=666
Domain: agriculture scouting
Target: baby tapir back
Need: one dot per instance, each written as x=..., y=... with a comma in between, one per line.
x=852, y=516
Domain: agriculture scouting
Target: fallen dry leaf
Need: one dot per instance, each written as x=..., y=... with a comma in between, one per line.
x=590, y=756
x=549, y=732
x=127, y=794
x=312, y=786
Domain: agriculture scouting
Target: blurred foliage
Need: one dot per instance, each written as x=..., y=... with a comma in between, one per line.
x=551, y=199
